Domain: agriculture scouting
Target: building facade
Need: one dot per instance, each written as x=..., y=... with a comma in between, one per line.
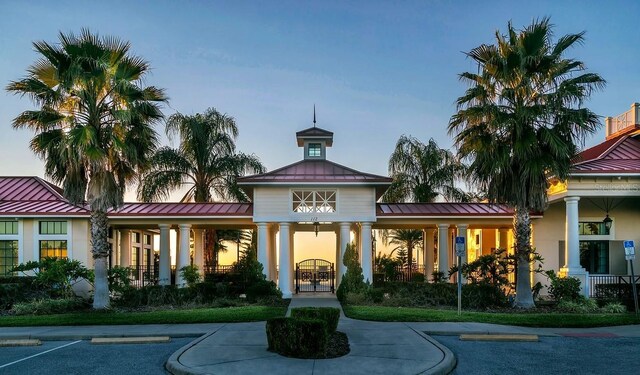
x=318, y=195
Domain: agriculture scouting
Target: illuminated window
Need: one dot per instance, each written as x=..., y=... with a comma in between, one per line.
x=315, y=149
x=8, y=227
x=593, y=228
x=314, y=201
x=53, y=227
x=53, y=249
x=8, y=257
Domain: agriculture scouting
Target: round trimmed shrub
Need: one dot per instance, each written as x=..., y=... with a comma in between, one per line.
x=330, y=315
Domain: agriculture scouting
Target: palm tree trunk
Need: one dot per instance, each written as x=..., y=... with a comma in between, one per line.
x=100, y=249
x=522, y=227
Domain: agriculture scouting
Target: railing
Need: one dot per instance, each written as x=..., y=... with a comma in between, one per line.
x=612, y=286
x=623, y=121
x=402, y=273
x=221, y=269
x=143, y=275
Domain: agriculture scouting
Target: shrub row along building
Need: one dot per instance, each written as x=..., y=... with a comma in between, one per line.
x=316, y=194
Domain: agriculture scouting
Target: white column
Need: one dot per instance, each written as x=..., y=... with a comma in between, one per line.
x=462, y=232
x=198, y=249
x=503, y=238
x=443, y=249
x=273, y=260
x=572, y=265
x=292, y=257
x=429, y=247
x=125, y=248
x=284, y=277
x=345, y=237
x=183, y=253
x=367, y=261
x=164, y=271
x=263, y=254
x=338, y=259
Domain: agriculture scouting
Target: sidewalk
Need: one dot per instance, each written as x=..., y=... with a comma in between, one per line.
x=376, y=348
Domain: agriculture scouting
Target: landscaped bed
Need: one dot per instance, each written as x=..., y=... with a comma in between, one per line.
x=201, y=315
x=524, y=318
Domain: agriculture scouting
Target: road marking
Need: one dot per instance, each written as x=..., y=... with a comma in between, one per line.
x=498, y=337
x=39, y=354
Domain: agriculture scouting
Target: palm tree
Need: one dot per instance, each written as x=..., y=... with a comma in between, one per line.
x=206, y=161
x=93, y=127
x=407, y=239
x=422, y=172
x=520, y=122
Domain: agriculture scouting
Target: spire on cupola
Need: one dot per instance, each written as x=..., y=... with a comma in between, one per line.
x=314, y=140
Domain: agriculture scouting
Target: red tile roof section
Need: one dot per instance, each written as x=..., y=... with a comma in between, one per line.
x=315, y=171
x=616, y=155
x=184, y=209
x=443, y=209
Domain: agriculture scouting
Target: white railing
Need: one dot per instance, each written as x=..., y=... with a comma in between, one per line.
x=629, y=118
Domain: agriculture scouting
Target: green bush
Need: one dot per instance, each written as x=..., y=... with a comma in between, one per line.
x=262, y=289
x=330, y=315
x=563, y=288
x=57, y=275
x=356, y=299
x=577, y=306
x=49, y=306
x=352, y=280
x=417, y=277
x=119, y=278
x=190, y=274
x=298, y=338
x=16, y=289
x=614, y=308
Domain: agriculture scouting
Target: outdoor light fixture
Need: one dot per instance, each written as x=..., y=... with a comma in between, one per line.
x=607, y=222
x=316, y=227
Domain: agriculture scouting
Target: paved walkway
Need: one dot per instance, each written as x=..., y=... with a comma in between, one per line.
x=376, y=348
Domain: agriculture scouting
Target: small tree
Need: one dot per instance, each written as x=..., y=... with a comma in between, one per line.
x=353, y=279
x=58, y=275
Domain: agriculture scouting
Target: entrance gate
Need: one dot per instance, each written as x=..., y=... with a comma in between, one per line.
x=315, y=275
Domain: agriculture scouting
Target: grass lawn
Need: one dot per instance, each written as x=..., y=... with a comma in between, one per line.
x=205, y=315
x=552, y=320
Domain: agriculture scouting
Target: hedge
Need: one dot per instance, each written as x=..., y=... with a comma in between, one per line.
x=297, y=337
x=330, y=315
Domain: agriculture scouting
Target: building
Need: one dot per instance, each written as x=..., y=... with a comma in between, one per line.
x=317, y=195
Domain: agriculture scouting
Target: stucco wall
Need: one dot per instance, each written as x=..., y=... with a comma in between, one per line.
x=274, y=204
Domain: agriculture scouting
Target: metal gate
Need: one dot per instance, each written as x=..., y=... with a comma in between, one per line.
x=315, y=275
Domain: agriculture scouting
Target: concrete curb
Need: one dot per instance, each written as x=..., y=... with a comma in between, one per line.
x=19, y=342
x=63, y=337
x=173, y=365
x=500, y=338
x=130, y=340
x=467, y=332
x=449, y=361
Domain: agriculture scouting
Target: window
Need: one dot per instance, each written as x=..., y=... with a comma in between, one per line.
x=53, y=227
x=310, y=201
x=593, y=228
x=315, y=149
x=53, y=249
x=147, y=239
x=8, y=227
x=135, y=237
x=8, y=257
x=594, y=256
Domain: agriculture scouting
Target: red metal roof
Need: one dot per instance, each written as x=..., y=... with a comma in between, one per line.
x=442, y=209
x=315, y=171
x=616, y=155
x=183, y=209
x=28, y=189
x=41, y=208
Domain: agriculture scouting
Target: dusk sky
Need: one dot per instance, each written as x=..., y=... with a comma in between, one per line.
x=374, y=70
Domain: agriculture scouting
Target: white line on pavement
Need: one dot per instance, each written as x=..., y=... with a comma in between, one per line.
x=35, y=355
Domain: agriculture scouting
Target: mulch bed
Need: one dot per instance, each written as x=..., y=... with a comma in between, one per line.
x=337, y=346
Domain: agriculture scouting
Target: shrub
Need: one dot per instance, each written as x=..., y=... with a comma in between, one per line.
x=355, y=299
x=119, y=278
x=330, y=315
x=563, y=288
x=16, y=289
x=577, y=306
x=482, y=296
x=417, y=277
x=438, y=277
x=614, y=308
x=298, y=338
x=190, y=274
x=57, y=275
x=261, y=289
x=352, y=280
x=49, y=306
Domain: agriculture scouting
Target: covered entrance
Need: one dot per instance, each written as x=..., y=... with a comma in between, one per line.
x=315, y=275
